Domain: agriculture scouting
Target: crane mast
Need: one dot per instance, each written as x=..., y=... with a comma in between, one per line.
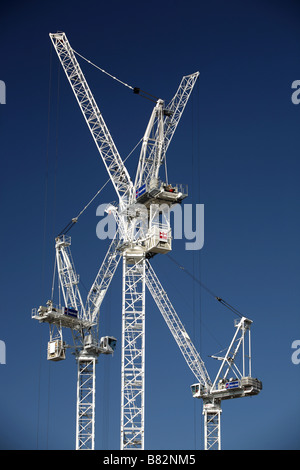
x=154, y=236
x=133, y=352
x=143, y=231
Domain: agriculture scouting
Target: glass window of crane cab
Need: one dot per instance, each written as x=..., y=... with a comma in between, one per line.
x=112, y=343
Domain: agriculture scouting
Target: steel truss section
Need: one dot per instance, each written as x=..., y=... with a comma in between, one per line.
x=151, y=151
x=212, y=425
x=177, y=105
x=103, y=279
x=85, y=421
x=93, y=117
x=228, y=361
x=176, y=327
x=161, y=128
x=69, y=280
x=133, y=353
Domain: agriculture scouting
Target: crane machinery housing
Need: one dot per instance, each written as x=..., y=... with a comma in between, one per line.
x=143, y=231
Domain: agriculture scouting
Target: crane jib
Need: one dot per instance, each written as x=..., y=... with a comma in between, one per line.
x=114, y=165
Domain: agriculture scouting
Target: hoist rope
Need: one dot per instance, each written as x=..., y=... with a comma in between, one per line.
x=73, y=221
x=136, y=90
x=209, y=291
x=104, y=71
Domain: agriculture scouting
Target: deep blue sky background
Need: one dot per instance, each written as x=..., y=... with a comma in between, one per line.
x=237, y=148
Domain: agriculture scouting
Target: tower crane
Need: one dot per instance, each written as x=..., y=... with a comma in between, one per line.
x=224, y=387
x=143, y=231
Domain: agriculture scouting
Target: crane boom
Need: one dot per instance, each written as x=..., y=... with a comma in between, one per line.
x=162, y=125
x=176, y=327
x=103, y=279
x=94, y=119
x=67, y=275
x=151, y=151
x=176, y=106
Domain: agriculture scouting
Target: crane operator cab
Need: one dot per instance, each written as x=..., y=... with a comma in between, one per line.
x=56, y=350
x=108, y=344
x=160, y=192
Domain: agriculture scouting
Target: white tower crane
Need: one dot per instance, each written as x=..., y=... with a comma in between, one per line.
x=241, y=384
x=142, y=217
x=83, y=324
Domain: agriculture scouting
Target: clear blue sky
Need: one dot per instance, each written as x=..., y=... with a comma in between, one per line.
x=237, y=148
